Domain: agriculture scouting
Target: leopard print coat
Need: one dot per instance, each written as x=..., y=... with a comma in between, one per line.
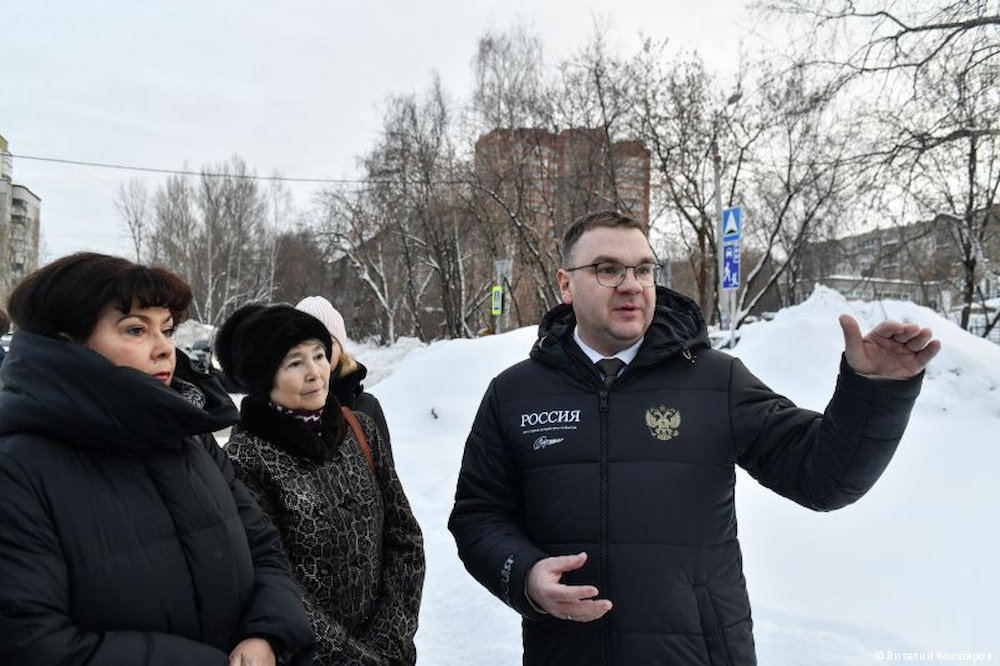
x=356, y=549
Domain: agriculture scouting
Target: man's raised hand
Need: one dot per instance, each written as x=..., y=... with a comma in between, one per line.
x=891, y=350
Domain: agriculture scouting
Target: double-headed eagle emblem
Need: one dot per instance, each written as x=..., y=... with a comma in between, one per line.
x=664, y=422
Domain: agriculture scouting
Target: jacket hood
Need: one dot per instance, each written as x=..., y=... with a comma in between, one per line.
x=71, y=393
x=678, y=326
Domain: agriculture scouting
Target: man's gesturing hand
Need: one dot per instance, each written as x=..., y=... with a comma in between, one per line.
x=891, y=350
x=569, y=602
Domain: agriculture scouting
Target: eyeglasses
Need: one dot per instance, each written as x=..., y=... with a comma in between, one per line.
x=612, y=274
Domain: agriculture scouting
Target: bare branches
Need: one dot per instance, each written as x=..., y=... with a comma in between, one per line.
x=132, y=203
x=879, y=39
x=937, y=141
x=212, y=232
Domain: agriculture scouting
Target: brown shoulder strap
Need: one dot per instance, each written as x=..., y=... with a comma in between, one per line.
x=359, y=434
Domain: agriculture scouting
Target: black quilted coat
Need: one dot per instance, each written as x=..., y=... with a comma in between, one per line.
x=350, y=392
x=642, y=478
x=124, y=536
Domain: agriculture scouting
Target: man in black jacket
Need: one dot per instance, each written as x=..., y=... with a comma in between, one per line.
x=600, y=473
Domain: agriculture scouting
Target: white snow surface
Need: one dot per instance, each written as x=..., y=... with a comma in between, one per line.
x=910, y=569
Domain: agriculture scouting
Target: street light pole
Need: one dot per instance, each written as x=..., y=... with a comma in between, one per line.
x=727, y=295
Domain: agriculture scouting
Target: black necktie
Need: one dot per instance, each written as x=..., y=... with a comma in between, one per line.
x=610, y=367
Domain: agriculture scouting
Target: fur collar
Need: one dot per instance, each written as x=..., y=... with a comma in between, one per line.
x=291, y=435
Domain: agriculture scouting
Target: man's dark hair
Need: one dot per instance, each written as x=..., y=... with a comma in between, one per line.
x=66, y=297
x=601, y=218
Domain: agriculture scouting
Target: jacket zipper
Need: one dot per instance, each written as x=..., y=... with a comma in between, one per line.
x=604, y=591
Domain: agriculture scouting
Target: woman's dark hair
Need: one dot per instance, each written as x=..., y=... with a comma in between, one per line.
x=66, y=297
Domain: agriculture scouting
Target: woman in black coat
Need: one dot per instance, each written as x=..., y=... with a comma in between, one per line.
x=125, y=537
x=329, y=485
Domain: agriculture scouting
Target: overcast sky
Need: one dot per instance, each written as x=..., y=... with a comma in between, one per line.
x=296, y=87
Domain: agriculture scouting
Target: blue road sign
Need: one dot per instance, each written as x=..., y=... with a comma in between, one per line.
x=731, y=224
x=731, y=266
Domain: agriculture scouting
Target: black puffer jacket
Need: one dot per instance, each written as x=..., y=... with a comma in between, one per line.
x=350, y=392
x=642, y=478
x=124, y=536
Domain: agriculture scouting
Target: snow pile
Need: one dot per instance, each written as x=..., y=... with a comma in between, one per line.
x=909, y=567
x=380, y=360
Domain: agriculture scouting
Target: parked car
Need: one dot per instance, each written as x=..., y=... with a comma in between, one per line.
x=203, y=360
x=200, y=354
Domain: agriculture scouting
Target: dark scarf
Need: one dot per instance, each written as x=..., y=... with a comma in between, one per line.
x=291, y=434
x=310, y=418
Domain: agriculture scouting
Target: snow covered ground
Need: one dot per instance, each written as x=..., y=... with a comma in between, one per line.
x=909, y=573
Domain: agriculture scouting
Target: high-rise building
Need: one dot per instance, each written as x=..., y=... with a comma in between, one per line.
x=566, y=174
x=20, y=220
x=533, y=183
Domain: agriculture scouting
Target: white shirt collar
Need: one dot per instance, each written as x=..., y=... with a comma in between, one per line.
x=626, y=355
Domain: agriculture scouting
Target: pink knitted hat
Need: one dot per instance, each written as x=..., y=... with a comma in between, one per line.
x=323, y=310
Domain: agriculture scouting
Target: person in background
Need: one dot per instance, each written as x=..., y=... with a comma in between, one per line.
x=125, y=537
x=326, y=478
x=4, y=328
x=347, y=373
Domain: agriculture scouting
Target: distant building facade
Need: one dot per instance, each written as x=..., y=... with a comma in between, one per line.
x=919, y=262
x=20, y=223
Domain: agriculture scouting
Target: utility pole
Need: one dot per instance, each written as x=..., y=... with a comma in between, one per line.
x=501, y=292
x=727, y=295
x=717, y=169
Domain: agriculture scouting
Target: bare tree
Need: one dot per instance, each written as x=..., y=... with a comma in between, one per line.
x=859, y=38
x=514, y=204
x=597, y=89
x=512, y=198
x=931, y=70
x=212, y=231
x=419, y=184
x=683, y=118
x=175, y=228
x=552, y=155
x=510, y=81
x=132, y=203
x=355, y=231
x=801, y=182
x=957, y=182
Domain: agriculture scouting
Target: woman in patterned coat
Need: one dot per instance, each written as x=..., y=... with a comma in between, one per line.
x=355, y=547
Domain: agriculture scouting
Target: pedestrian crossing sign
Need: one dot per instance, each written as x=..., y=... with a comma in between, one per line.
x=497, y=303
x=731, y=224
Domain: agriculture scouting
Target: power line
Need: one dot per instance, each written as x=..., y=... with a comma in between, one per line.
x=284, y=179
x=182, y=172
